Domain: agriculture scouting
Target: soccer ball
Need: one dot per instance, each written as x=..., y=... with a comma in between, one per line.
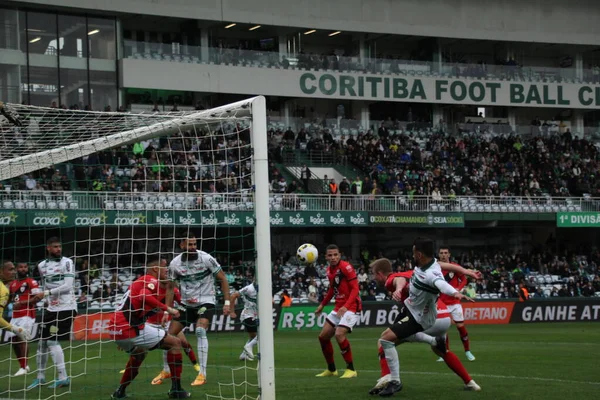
x=307, y=253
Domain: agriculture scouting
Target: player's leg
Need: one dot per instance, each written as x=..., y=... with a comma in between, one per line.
x=403, y=327
x=456, y=311
x=136, y=358
x=252, y=329
x=341, y=336
x=41, y=356
x=205, y=314
x=61, y=333
x=21, y=347
x=175, y=359
x=440, y=329
x=175, y=327
x=325, y=336
x=187, y=349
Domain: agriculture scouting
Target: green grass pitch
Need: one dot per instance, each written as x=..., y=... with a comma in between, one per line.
x=537, y=361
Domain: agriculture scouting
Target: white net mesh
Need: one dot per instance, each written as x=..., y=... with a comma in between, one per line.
x=116, y=188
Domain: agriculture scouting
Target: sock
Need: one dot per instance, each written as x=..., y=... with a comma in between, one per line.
x=131, y=370
x=18, y=347
x=347, y=354
x=58, y=357
x=166, y=367
x=447, y=342
x=464, y=336
x=327, y=349
x=385, y=369
x=175, y=362
x=187, y=348
x=391, y=356
x=455, y=365
x=253, y=341
x=41, y=358
x=424, y=338
x=202, y=349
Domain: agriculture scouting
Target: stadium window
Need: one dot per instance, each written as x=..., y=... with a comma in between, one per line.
x=481, y=112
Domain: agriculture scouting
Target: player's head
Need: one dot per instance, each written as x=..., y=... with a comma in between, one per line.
x=22, y=270
x=444, y=254
x=53, y=247
x=423, y=250
x=157, y=267
x=332, y=254
x=8, y=271
x=381, y=269
x=188, y=242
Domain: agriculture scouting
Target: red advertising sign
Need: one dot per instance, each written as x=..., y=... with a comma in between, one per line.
x=487, y=313
x=91, y=326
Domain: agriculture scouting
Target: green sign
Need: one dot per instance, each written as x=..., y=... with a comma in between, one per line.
x=449, y=91
x=319, y=218
x=578, y=219
x=302, y=318
x=9, y=218
x=418, y=220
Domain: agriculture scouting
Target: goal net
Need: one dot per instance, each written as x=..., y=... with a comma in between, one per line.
x=118, y=189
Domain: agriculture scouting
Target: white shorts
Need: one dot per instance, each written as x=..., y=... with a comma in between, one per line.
x=27, y=323
x=456, y=311
x=147, y=339
x=349, y=319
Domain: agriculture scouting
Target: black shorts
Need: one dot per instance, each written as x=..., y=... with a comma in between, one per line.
x=57, y=325
x=250, y=325
x=192, y=314
x=405, y=324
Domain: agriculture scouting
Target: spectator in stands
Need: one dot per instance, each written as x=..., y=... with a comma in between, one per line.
x=305, y=174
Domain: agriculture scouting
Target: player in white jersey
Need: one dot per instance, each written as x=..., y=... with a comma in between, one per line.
x=195, y=272
x=419, y=312
x=249, y=317
x=57, y=274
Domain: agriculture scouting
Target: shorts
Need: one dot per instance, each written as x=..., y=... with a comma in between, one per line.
x=192, y=314
x=250, y=325
x=405, y=325
x=27, y=323
x=148, y=338
x=456, y=311
x=348, y=321
x=57, y=325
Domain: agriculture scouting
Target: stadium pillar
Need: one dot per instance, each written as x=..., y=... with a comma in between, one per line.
x=282, y=47
x=204, y=44
x=512, y=118
x=579, y=66
x=577, y=127
x=286, y=114
x=437, y=62
x=365, y=115
x=362, y=49
x=437, y=114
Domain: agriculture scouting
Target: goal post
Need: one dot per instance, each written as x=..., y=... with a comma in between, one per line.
x=118, y=229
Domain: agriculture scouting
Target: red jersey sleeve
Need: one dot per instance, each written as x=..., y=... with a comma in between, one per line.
x=348, y=271
x=389, y=283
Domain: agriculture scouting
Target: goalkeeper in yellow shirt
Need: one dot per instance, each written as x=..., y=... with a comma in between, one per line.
x=7, y=274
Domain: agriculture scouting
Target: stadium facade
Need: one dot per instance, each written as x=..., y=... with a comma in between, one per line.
x=506, y=63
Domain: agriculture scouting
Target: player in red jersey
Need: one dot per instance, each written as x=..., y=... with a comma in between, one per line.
x=343, y=285
x=457, y=281
x=397, y=285
x=25, y=293
x=132, y=334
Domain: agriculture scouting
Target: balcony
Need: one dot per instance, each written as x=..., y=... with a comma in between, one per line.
x=233, y=202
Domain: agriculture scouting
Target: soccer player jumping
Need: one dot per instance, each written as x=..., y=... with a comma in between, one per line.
x=343, y=284
x=457, y=281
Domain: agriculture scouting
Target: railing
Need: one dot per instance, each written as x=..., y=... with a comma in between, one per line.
x=292, y=202
x=176, y=52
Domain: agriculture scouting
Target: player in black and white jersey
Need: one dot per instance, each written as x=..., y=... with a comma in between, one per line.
x=419, y=312
x=195, y=272
x=249, y=317
x=57, y=275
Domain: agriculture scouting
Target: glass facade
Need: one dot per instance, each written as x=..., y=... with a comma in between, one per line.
x=58, y=60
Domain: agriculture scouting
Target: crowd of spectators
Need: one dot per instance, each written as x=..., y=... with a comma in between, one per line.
x=439, y=164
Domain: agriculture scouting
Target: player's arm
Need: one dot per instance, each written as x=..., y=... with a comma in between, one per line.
x=460, y=270
x=225, y=289
x=399, y=284
x=68, y=281
x=233, y=300
x=4, y=324
x=440, y=283
x=37, y=295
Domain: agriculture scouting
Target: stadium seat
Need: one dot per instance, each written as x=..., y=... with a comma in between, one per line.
x=109, y=205
x=63, y=205
x=129, y=205
x=40, y=204
x=7, y=204
x=74, y=205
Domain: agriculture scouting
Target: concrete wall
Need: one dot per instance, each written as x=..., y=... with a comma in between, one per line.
x=546, y=21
